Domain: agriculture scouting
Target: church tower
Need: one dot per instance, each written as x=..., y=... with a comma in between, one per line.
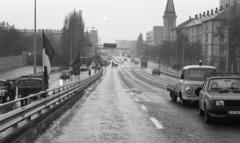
x=169, y=20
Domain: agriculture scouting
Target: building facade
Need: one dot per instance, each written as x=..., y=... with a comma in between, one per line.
x=224, y=2
x=149, y=38
x=93, y=35
x=202, y=29
x=157, y=35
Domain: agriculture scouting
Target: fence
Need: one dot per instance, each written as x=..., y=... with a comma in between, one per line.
x=11, y=62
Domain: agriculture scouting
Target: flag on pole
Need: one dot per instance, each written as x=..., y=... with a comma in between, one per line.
x=48, y=54
x=76, y=65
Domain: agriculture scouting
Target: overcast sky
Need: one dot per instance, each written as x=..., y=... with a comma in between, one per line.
x=114, y=19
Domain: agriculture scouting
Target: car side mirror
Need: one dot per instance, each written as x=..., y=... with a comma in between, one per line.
x=182, y=76
x=197, y=91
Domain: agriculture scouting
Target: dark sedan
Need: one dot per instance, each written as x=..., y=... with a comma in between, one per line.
x=156, y=71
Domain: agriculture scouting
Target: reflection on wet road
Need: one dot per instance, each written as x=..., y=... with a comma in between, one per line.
x=108, y=113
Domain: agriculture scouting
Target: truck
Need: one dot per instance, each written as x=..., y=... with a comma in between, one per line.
x=7, y=89
x=144, y=61
x=192, y=78
x=30, y=84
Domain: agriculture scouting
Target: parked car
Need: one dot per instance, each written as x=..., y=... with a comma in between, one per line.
x=65, y=74
x=176, y=67
x=132, y=60
x=84, y=68
x=156, y=71
x=219, y=97
x=136, y=62
x=114, y=64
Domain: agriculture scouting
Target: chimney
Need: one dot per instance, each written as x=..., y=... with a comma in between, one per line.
x=200, y=15
x=203, y=14
x=216, y=11
x=211, y=11
x=208, y=13
x=196, y=16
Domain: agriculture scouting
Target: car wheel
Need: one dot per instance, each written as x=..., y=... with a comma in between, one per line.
x=182, y=101
x=173, y=97
x=207, y=118
x=4, y=99
x=200, y=111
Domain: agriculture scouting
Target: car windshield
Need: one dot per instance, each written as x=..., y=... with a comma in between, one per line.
x=198, y=74
x=2, y=83
x=224, y=84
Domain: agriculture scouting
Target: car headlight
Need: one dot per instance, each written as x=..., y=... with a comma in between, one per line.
x=189, y=90
x=219, y=103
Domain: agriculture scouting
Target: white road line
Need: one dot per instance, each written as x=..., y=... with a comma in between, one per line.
x=136, y=99
x=143, y=108
x=156, y=123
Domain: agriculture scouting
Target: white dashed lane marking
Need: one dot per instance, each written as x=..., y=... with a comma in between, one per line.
x=156, y=123
x=143, y=108
x=136, y=99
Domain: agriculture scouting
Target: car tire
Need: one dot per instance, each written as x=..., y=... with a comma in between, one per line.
x=173, y=97
x=182, y=101
x=207, y=117
x=4, y=99
x=200, y=111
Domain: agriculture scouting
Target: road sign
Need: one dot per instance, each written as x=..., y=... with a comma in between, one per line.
x=109, y=45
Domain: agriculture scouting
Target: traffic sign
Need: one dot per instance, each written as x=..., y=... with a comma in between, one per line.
x=109, y=45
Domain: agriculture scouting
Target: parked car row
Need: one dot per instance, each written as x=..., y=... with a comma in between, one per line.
x=217, y=94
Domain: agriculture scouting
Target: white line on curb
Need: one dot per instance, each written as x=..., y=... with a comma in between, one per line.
x=156, y=123
x=143, y=108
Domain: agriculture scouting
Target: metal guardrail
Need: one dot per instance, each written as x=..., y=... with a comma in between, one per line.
x=55, y=96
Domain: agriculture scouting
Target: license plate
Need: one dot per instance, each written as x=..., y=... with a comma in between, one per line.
x=233, y=112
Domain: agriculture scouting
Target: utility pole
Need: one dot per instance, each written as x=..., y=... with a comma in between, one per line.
x=228, y=43
x=35, y=39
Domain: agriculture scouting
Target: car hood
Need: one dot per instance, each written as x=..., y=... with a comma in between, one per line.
x=225, y=96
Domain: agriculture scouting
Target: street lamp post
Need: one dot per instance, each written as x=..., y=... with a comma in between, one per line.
x=35, y=39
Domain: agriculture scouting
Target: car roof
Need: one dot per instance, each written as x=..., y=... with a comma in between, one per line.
x=233, y=76
x=198, y=66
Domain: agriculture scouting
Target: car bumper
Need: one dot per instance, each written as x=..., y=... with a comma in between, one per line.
x=190, y=98
x=224, y=112
x=65, y=77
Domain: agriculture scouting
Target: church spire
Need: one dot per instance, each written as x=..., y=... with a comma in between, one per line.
x=170, y=7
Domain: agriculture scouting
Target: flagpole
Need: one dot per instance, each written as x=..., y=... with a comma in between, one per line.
x=35, y=43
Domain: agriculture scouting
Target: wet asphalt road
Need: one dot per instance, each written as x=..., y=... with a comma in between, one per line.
x=121, y=108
